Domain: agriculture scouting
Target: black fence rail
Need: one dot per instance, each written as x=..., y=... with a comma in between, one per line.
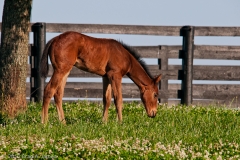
x=184, y=93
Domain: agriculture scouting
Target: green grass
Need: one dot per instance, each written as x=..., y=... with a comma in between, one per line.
x=177, y=132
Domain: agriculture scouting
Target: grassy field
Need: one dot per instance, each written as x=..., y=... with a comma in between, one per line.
x=177, y=132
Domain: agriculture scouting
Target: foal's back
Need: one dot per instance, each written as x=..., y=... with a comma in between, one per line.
x=95, y=55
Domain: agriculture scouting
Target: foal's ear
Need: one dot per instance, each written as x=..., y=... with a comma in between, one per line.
x=157, y=79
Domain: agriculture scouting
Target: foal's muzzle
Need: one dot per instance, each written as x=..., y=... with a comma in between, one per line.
x=152, y=114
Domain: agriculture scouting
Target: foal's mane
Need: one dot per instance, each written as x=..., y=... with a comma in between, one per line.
x=137, y=57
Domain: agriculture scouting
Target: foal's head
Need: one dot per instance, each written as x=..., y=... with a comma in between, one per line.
x=149, y=96
x=149, y=93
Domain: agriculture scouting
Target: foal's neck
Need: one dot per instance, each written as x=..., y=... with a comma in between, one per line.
x=139, y=76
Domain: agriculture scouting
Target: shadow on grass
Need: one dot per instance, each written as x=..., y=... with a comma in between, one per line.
x=87, y=118
x=3, y=119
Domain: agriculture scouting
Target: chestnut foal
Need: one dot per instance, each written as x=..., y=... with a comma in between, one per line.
x=105, y=57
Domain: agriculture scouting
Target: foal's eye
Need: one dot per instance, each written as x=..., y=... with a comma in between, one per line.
x=155, y=95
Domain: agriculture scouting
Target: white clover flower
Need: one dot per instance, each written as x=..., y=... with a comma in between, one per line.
x=78, y=145
x=206, y=153
x=111, y=146
x=73, y=136
x=2, y=156
x=102, y=139
x=210, y=146
x=38, y=145
x=51, y=140
x=162, y=155
x=176, y=147
x=117, y=144
x=159, y=146
x=198, y=154
x=16, y=150
x=219, y=157
x=76, y=154
x=206, y=157
x=182, y=154
x=69, y=149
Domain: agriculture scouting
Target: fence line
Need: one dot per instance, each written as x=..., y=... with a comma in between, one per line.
x=138, y=29
x=185, y=93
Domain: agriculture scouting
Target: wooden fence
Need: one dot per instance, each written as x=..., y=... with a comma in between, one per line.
x=185, y=93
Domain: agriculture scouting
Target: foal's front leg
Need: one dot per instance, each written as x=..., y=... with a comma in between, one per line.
x=116, y=82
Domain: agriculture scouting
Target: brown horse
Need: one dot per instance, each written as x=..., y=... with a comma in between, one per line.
x=106, y=57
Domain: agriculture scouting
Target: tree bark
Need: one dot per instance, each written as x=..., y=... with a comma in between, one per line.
x=14, y=55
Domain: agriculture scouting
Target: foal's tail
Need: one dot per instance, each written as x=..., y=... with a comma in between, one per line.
x=44, y=60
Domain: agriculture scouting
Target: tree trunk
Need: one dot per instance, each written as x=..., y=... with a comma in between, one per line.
x=14, y=55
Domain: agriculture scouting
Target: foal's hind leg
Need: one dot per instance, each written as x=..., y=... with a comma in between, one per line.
x=107, y=96
x=49, y=91
x=58, y=99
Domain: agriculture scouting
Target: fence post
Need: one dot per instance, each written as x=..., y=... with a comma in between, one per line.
x=36, y=81
x=187, y=63
x=163, y=84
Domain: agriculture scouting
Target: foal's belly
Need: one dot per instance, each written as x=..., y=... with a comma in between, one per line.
x=90, y=67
